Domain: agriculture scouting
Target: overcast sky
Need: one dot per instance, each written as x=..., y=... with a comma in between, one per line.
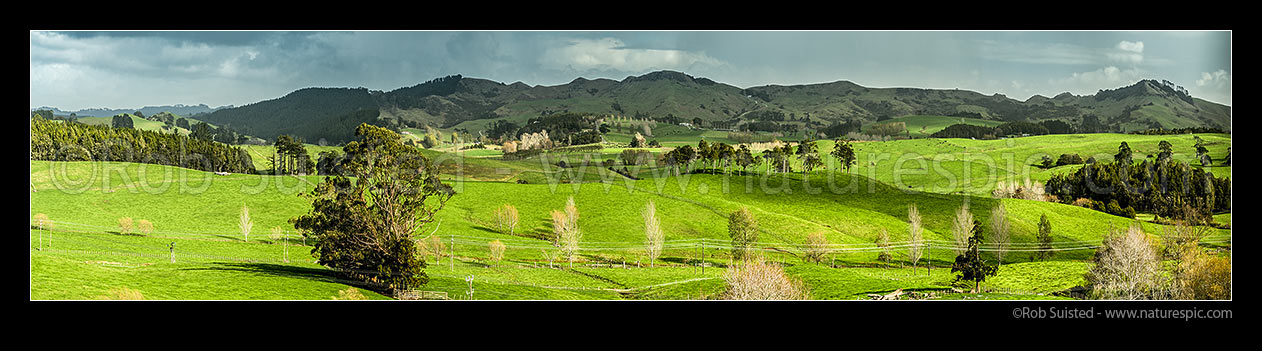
x=76, y=70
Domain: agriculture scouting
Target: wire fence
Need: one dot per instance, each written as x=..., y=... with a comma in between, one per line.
x=674, y=245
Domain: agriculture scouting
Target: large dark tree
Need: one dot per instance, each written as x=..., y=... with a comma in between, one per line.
x=844, y=153
x=1123, y=155
x=122, y=121
x=971, y=266
x=363, y=222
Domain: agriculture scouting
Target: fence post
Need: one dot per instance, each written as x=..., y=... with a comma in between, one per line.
x=172, y=246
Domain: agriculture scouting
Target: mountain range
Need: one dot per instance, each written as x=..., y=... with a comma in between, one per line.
x=179, y=109
x=473, y=103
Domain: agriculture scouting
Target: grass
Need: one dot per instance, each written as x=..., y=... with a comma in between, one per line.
x=920, y=126
x=198, y=211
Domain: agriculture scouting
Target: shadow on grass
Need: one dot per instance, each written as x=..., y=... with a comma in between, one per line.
x=274, y=269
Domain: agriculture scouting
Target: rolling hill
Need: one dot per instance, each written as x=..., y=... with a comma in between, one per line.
x=473, y=103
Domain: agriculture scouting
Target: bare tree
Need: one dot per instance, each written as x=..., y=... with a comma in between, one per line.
x=756, y=279
x=41, y=221
x=568, y=232
x=1127, y=267
x=961, y=229
x=653, y=237
x=434, y=245
x=276, y=235
x=125, y=225
x=144, y=226
x=816, y=246
x=497, y=251
x=999, y=227
x=245, y=224
x=558, y=226
x=506, y=219
x=917, y=235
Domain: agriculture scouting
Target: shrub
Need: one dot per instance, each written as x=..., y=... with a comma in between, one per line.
x=1030, y=190
x=883, y=242
x=125, y=225
x=816, y=247
x=1069, y=159
x=1200, y=276
x=759, y=280
x=1083, y=202
x=350, y=294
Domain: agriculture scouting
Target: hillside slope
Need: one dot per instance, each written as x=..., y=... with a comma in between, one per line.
x=472, y=103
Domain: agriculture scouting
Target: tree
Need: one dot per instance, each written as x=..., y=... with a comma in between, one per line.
x=1123, y=155
x=844, y=153
x=653, y=237
x=244, y=223
x=1044, y=237
x=122, y=121
x=568, y=234
x=970, y=265
x=961, y=227
x=497, y=251
x=637, y=140
x=125, y=225
x=1166, y=151
x=1127, y=266
x=144, y=226
x=506, y=219
x=364, y=227
x=744, y=158
x=743, y=228
x=202, y=131
x=916, y=234
x=1047, y=162
x=1000, y=226
x=809, y=155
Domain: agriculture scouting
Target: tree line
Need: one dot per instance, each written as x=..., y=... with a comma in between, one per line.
x=1161, y=186
x=67, y=141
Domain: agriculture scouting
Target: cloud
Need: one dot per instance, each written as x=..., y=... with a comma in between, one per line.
x=1089, y=82
x=1219, y=78
x=605, y=54
x=1136, y=47
x=1125, y=52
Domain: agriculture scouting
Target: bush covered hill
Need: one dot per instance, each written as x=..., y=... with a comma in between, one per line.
x=674, y=97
